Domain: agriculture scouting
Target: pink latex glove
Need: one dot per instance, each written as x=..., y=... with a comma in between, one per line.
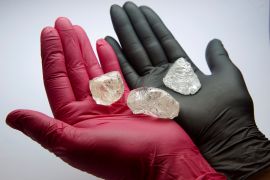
x=107, y=141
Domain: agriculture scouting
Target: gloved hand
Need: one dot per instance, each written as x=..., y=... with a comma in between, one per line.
x=219, y=118
x=107, y=141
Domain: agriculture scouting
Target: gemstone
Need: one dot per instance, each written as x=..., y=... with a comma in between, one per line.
x=154, y=102
x=107, y=88
x=181, y=78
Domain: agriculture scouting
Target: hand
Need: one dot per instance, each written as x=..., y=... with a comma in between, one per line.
x=107, y=141
x=219, y=117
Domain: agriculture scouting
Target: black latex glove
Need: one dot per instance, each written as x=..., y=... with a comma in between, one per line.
x=219, y=117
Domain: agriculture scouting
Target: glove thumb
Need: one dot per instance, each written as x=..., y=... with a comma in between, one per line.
x=217, y=57
x=40, y=127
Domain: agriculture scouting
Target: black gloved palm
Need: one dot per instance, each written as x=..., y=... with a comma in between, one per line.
x=219, y=117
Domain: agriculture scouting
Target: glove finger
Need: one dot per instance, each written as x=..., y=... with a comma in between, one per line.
x=129, y=73
x=56, y=81
x=172, y=48
x=108, y=59
x=165, y=37
x=132, y=46
x=91, y=63
x=41, y=128
x=145, y=34
x=217, y=57
x=76, y=69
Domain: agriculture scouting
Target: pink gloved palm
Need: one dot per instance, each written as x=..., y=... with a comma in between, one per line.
x=107, y=141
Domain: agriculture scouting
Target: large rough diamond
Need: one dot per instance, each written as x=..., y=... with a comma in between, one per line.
x=107, y=88
x=181, y=78
x=154, y=102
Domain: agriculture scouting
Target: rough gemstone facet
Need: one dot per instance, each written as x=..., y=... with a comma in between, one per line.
x=154, y=102
x=181, y=78
x=107, y=88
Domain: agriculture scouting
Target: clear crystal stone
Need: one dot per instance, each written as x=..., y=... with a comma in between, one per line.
x=107, y=88
x=154, y=102
x=181, y=78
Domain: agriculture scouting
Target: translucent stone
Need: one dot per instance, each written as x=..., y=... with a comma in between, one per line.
x=107, y=88
x=154, y=102
x=181, y=78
